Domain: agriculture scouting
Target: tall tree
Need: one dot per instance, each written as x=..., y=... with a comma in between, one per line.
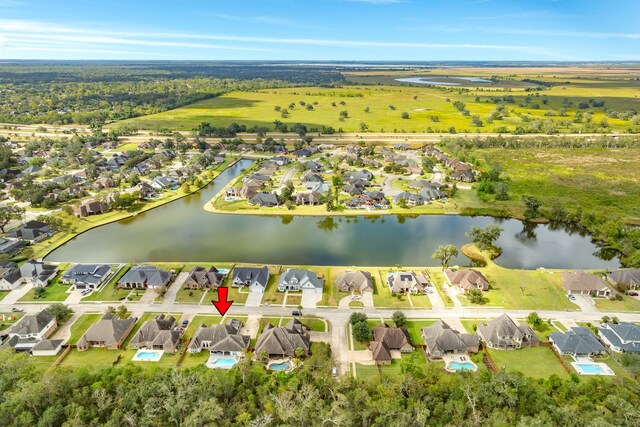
x=10, y=213
x=444, y=253
x=485, y=237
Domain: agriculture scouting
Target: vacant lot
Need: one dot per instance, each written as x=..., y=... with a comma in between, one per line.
x=597, y=180
x=535, y=362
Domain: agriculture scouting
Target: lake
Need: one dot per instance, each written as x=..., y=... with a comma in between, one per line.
x=182, y=231
x=442, y=81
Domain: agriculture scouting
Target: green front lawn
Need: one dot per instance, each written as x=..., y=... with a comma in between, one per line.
x=627, y=304
x=56, y=291
x=535, y=362
x=190, y=296
x=81, y=325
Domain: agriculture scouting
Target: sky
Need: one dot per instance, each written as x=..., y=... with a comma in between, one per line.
x=317, y=30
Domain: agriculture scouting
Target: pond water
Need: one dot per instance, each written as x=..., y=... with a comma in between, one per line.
x=441, y=81
x=182, y=231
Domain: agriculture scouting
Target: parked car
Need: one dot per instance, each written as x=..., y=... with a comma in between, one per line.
x=633, y=294
x=355, y=297
x=185, y=322
x=17, y=309
x=429, y=291
x=334, y=371
x=572, y=298
x=296, y=313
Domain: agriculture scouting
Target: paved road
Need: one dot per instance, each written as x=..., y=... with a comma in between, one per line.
x=338, y=318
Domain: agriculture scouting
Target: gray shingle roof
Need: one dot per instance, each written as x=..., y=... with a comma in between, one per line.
x=625, y=336
x=503, y=331
x=146, y=274
x=250, y=275
x=579, y=341
x=222, y=338
x=283, y=341
x=31, y=324
x=628, y=276
x=109, y=330
x=45, y=345
x=581, y=281
x=441, y=338
x=300, y=277
x=355, y=280
x=89, y=274
x=159, y=332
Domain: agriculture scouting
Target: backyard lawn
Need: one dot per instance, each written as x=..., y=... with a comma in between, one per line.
x=91, y=358
x=535, y=362
x=81, y=325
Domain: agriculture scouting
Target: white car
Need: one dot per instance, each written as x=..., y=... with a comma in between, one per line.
x=354, y=297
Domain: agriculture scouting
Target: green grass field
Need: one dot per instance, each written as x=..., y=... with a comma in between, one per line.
x=597, y=180
x=535, y=362
x=430, y=109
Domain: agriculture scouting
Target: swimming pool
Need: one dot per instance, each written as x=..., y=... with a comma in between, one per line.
x=282, y=366
x=215, y=362
x=461, y=366
x=592, y=368
x=223, y=271
x=147, y=356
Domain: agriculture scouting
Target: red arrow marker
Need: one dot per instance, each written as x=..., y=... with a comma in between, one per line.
x=222, y=305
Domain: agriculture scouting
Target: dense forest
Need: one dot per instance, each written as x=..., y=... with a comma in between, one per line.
x=85, y=92
x=249, y=396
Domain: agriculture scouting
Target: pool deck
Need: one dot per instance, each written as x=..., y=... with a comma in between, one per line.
x=603, y=367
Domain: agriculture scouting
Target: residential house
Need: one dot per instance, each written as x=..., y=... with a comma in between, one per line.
x=441, y=339
x=280, y=160
x=409, y=198
x=355, y=281
x=31, y=231
x=102, y=183
x=582, y=283
x=265, y=200
x=395, y=338
x=164, y=182
x=310, y=198
x=255, y=278
x=429, y=193
x=91, y=207
x=161, y=333
x=467, y=279
x=29, y=331
x=627, y=279
x=202, y=278
x=351, y=190
x=358, y=175
x=110, y=332
x=146, y=191
x=313, y=166
x=577, y=342
x=621, y=337
x=504, y=334
x=404, y=282
x=144, y=277
x=284, y=341
x=47, y=347
x=380, y=353
x=31, y=272
x=297, y=279
x=10, y=247
x=86, y=276
x=464, y=176
x=220, y=339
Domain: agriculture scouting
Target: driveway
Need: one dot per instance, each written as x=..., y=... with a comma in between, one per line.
x=74, y=296
x=17, y=293
x=252, y=326
x=254, y=299
x=586, y=304
x=64, y=331
x=309, y=299
x=436, y=300
x=172, y=291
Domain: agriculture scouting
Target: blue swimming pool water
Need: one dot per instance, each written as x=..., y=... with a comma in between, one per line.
x=147, y=356
x=223, y=271
x=224, y=363
x=280, y=366
x=464, y=366
x=591, y=368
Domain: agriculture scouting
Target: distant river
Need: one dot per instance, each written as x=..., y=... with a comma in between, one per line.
x=182, y=231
